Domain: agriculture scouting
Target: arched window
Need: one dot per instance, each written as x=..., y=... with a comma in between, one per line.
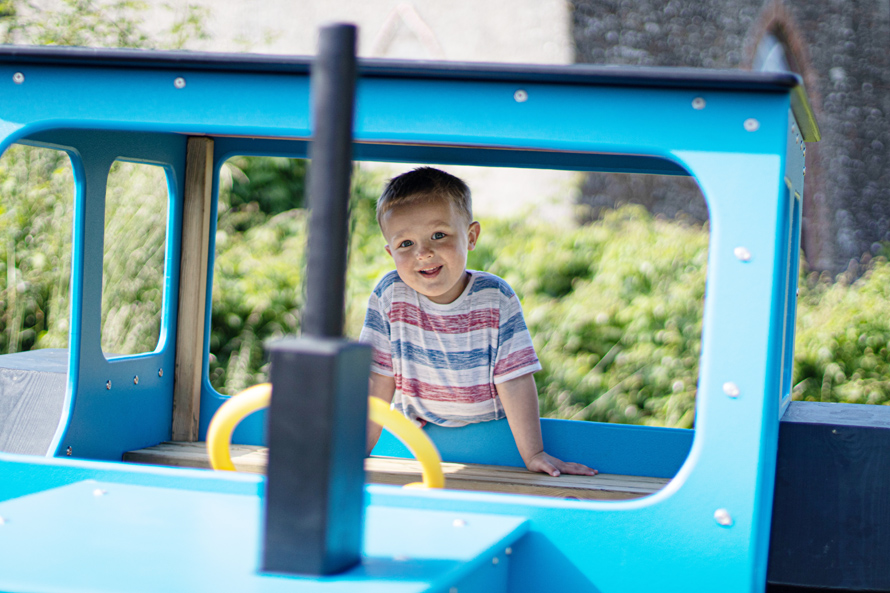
x=770, y=55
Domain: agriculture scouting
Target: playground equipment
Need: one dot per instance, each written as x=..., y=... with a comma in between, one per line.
x=79, y=519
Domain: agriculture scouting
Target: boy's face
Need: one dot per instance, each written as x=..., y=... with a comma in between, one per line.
x=429, y=242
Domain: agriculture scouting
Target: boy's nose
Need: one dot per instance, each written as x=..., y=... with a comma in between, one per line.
x=424, y=251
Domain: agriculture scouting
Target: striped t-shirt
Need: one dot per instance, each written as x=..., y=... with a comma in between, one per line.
x=447, y=359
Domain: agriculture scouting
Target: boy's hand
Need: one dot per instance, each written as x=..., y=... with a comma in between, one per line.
x=548, y=464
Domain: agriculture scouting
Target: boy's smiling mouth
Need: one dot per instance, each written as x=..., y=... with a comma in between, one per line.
x=430, y=272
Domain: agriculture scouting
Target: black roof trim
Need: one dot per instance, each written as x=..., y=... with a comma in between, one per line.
x=584, y=74
x=578, y=73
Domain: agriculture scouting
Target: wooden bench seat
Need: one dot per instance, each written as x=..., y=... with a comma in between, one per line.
x=458, y=476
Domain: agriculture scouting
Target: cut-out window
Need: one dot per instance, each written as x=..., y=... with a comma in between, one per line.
x=258, y=267
x=36, y=208
x=136, y=204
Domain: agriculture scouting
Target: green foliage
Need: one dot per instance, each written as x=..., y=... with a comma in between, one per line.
x=36, y=209
x=136, y=203
x=615, y=310
x=97, y=23
x=841, y=349
x=275, y=185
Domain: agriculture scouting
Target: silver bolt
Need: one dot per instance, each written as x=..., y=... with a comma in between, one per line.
x=99, y=492
x=508, y=551
x=18, y=78
x=160, y=372
x=698, y=103
x=722, y=517
x=742, y=253
x=797, y=292
x=108, y=384
x=179, y=82
x=452, y=590
x=731, y=389
x=520, y=96
x=68, y=451
x=136, y=380
x=459, y=523
x=495, y=560
x=752, y=125
x=401, y=558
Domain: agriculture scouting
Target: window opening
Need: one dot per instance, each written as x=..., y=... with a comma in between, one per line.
x=136, y=204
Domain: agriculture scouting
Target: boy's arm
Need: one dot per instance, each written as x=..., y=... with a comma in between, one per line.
x=520, y=399
x=381, y=387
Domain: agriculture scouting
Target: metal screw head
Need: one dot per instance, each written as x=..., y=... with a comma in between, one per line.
x=751, y=124
x=68, y=451
x=495, y=560
x=459, y=523
x=136, y=380
x=401, y=558
x=742, y=253
x=179, y=82
x=108, y=384
x=731, y=389
x=722, y=517
x=520, y=96
x=508, y=551
x=698, y=103
x=18, y=78
x=99, y=492
x=160, y=372
x=452, y=590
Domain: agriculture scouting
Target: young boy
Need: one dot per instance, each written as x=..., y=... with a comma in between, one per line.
x=450, y=345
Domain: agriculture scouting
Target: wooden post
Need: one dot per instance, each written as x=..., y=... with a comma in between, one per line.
x=192, y=288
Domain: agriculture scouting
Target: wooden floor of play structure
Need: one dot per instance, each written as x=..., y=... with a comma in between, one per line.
x=458, y=476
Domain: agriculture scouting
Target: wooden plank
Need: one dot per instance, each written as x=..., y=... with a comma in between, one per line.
x=458, y=476
x=192, y=288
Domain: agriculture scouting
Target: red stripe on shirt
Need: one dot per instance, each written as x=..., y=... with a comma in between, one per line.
x=517, y=360
x=443, y=324
x=428, y=391
x=381, y=359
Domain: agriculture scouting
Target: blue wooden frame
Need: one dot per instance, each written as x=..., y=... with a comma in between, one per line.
x=744, y=148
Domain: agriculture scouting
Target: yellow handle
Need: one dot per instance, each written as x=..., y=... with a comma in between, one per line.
x=238, y=407
x=227, y=417
x=414, y=438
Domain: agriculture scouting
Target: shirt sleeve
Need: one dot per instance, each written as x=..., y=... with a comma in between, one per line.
x=516, y=353
x=375, y=332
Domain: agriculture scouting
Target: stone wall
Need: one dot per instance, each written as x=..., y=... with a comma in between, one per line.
x=840, y=48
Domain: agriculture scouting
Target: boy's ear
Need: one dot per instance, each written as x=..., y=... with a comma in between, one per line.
x=389, y=251
x=473, y=235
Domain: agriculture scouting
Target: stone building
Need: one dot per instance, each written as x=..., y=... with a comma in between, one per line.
x=840, y=48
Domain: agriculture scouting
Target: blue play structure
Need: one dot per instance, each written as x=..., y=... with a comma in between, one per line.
x=75, y=518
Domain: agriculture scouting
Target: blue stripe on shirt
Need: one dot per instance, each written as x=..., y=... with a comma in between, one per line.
x=388, y=280
x=374, y=321
x=455, y=361
x=489, y=282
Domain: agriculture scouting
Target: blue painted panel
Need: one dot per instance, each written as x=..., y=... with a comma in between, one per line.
x=664, y=539
x=101, y=422
x=610, y=448
x=101, y=536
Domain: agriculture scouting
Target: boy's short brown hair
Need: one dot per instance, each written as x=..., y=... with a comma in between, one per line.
x=425, y=184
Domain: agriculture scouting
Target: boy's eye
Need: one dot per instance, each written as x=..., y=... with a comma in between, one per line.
x=438, y=235
x=406, y=243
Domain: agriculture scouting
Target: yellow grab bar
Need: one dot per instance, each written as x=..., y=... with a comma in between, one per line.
x=227, y=417
x=238, y=407
x=414, y=438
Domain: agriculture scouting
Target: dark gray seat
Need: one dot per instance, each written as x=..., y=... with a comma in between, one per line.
x=32, y=392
